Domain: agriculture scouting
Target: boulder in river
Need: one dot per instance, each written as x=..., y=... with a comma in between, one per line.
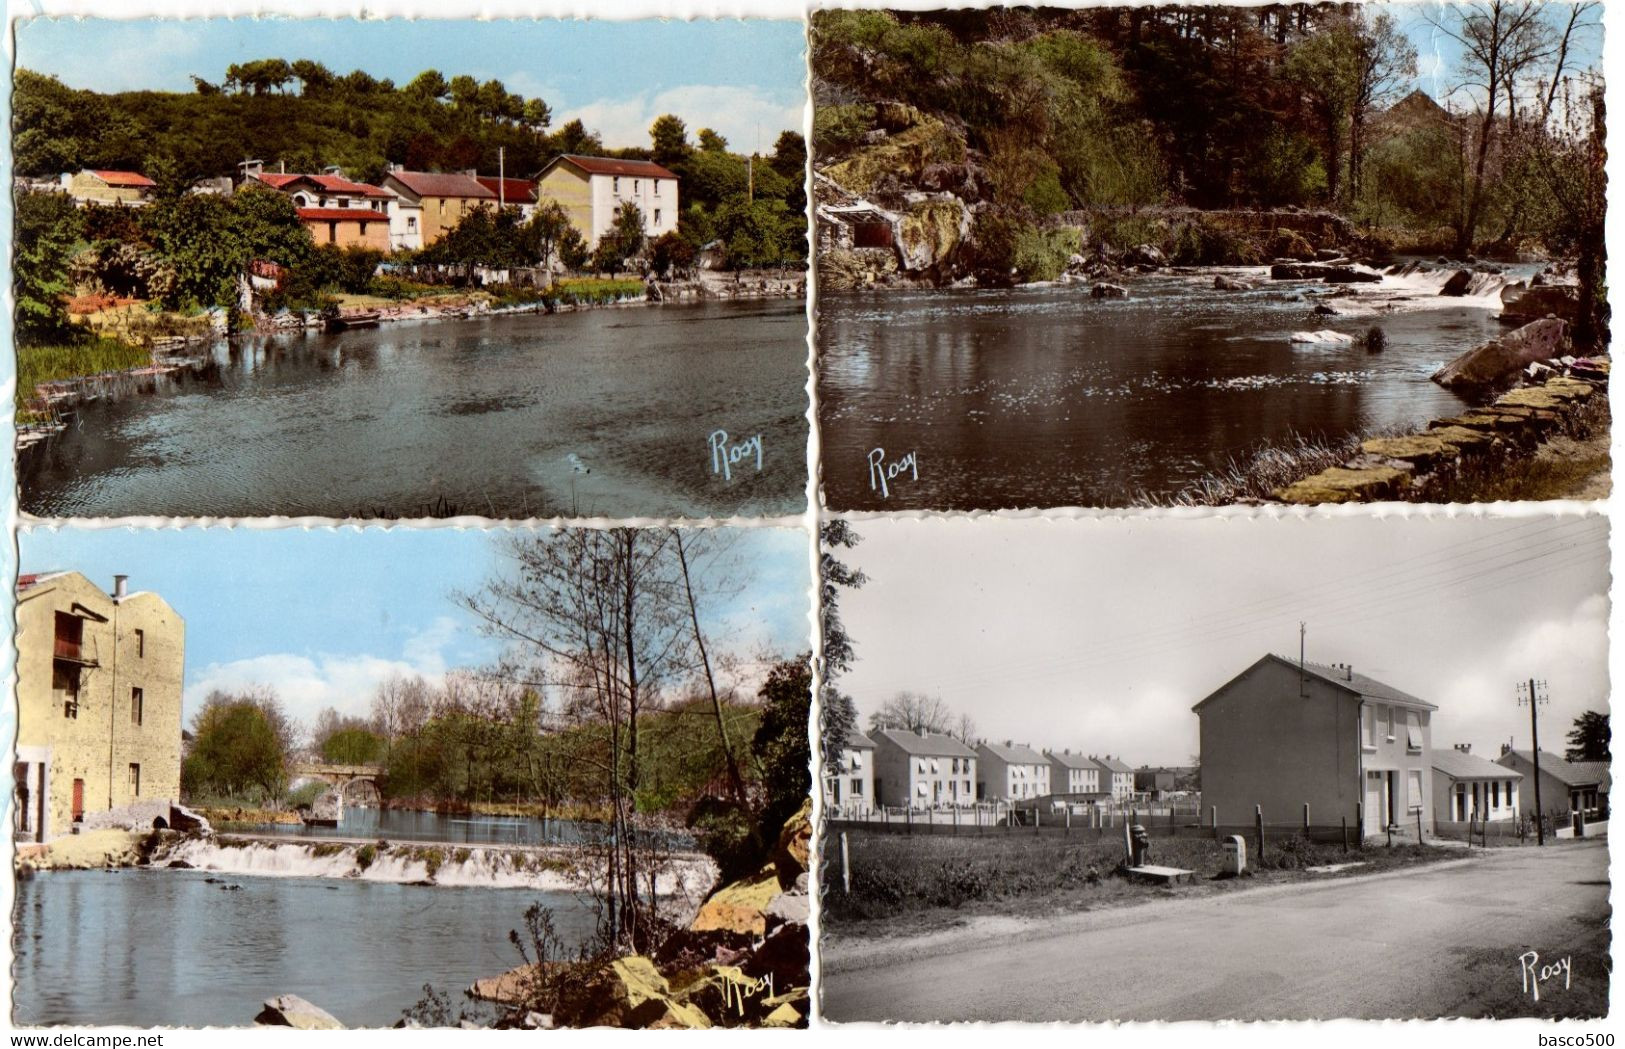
x=1520, y=305
x=290, y=1010
x=1145, y=255
x=1224, y=283
x=1457, y=284
x=1321, y=271
x=1109, y=291
x=1500, y=359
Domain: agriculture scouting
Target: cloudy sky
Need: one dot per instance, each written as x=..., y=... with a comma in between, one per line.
x=1102, y=634
x=741, y=78
x=323, y=615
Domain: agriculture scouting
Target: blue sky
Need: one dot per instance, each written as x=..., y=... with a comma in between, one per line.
x=1438, y=55
x=324, y=614
x=731, y=75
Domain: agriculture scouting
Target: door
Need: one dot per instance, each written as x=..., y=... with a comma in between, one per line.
x=1376, y=802
x=78, y=800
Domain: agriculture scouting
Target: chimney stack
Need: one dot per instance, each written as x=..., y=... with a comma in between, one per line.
x=1506, y=748
x=922, y=732
x=1465, y=748
x=120, y=587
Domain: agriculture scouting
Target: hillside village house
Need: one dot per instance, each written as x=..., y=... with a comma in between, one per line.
x=109, y=187
x=1283, y=735
x=1565, y=786
x=1073, y=774
x=920, y=770
x=1010, y=772
x=98, y=706
x=334, y=209
x=592, y=190
x=850, y=786
x=442, y=200
x=1466, y=786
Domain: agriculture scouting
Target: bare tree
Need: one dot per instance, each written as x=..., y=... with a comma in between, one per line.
x=913, y=712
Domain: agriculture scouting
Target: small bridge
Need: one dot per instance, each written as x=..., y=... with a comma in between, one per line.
x=342, y=777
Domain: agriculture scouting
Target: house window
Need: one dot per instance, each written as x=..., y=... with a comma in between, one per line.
x=656, y=190
x=65, y=684
x=657, y=216
x=1495, y=793
x=919, y=766
x=1368, y=715
x=138, y=702
x=857, y=759
x=135, y=780
x=1413, y=792
x=70, y=636
x=140, y=643
x=1413, y=731
x=935, y=766
x=411, y=224
x=344, y=202
x=919, y=788
x=637, y=184
x=857, y=786
x=615, y=184
x=1388, y=723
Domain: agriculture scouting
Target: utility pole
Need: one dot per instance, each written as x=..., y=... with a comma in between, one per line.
x=502, y=177
x=1303, y=679
x=1535, y=694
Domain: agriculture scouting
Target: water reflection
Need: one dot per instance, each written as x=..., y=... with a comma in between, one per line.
x=599, y=412
x=1045, y=397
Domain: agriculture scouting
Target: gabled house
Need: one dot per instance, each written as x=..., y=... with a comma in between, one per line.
x=512, y=193
x=1010, y=772
x=593, y=189
x=1282, y=734
x=98, y=706
x=334, y=209
x=1565, y=786
x=1116, y=778
x=1469, y=787
x=921, y=770
x=850, y=786
x=440, y=200
x=1075, y=775
x=109, y=187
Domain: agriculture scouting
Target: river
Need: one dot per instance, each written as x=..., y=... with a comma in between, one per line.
x=1044, y=396
x=145, y=948
x=596, y=412
x=410, y=825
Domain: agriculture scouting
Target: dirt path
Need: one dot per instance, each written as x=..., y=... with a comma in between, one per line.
x=1438, y=942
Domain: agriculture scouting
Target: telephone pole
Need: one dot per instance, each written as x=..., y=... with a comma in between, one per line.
x=1534, y=693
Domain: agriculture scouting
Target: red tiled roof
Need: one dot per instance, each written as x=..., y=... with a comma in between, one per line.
x=330, y=183
x=613, y=166
x=124, y=178
x=341, y=215
x=513, y=190
x=427, y=184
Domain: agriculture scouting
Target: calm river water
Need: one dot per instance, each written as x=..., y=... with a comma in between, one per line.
x=145, y=948
x=1046, y=397
x=601, y=412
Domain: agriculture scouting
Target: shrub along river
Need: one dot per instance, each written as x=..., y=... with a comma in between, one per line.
x=1045, y=396
x=598, y=412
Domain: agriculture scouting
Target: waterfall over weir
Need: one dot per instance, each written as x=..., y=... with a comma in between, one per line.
x=441, y=865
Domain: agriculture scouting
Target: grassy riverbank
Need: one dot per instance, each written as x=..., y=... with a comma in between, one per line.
x=57, y=363
x=904, y=883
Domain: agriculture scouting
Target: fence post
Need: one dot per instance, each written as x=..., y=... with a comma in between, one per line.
x=1418, y=826
x=1069, y=820
x=1213, y=818
x=1345, y=834
x=1258, y=818
x=846, y=865
x=908, y=816
x=1306, y=819
x=956, y=821
x=1038, y=817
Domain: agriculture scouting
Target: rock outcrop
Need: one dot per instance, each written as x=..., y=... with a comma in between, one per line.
x=1522, y=305
x=1500, y=360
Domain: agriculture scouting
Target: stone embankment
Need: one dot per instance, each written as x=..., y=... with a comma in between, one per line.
x=1557, y=397
x=743, y=961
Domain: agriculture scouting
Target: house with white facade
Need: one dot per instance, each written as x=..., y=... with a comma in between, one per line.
x=1116, y=777
x=1010, y=772
x=849, y=787
x=592, y=191
x=1469, y=787
x=1073, y=774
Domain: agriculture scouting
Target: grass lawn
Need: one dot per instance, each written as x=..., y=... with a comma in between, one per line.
x=905, y=884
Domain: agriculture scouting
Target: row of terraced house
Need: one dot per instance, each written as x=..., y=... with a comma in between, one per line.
x=410, y=210
x=920, y=769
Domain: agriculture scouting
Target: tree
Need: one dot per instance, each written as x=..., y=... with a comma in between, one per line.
x=670, y=137
x=838, y=716
x=913, y=712
x=549, y=236
x=1326, y=67
x=1589, y=738
x=671, y=254
x=47, y=232
x=711, y=142
x=429, y=86
x=781, y=741
x=486, y=236
x=624, y=239
x=1385, y=61
x=240, y=746
x=346, y=740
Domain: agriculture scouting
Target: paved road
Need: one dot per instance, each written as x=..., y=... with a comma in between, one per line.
x=1410, y=944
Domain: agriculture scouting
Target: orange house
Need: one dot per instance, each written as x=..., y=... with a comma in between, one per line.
x=347, y=227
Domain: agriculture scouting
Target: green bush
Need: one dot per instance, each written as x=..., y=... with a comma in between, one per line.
x=1041, y=254
x=839, y=128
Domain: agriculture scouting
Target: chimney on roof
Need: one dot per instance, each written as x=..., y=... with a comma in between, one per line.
x=332, y=169
x=1348, y=671
x=121, y=584
x=471, y=172
x=1007, y=743
x=1506, y=748
x=252, y=167
x=1465, y=748
x=921, y=731
x=396, y=167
